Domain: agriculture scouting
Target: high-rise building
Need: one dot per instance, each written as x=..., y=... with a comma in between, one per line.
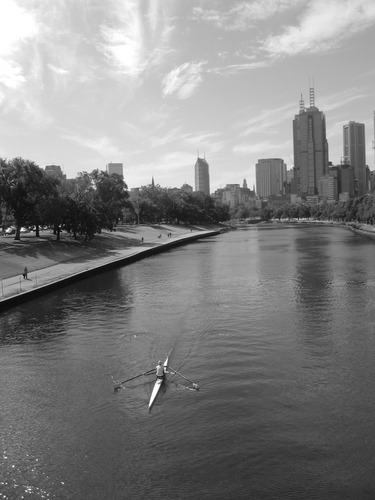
x=187, y=188
x=355, y=154
x=372, y=181
x=328, y=187
x=270, y=177
x=202, y=176
x=115, y=168
x=345, y=179
x=55, y=170
x=310, y=148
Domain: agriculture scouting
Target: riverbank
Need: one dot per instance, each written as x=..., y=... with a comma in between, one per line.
x=366, y=229
x=53, y=264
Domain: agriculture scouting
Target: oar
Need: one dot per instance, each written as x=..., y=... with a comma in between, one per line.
x=132, y=378
x=195, y=386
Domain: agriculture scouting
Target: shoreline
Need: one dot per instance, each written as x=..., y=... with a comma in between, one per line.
x=357, y=227
x=55, y=264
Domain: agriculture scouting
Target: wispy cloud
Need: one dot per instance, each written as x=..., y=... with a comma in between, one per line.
x=30, y=111
x=135, y=40
x=266, y=121
x=233, y=69
x=206, y=142
x=11, y=16
x=124, y=43
x=244, y=14
x=201, y=138
x=16, y=26
x=175, y=160
x=259, y=148
x=322, y=27
x=102, y=145
x=183, y=80
x=164, y=168
x=58, y=71
x=341, y=100
x=173, y=135
x=11, y=74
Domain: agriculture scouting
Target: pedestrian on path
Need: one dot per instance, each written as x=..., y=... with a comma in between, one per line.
x=25, y=273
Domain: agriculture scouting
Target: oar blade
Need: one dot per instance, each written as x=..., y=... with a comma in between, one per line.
x=119, y=385
x=195, y=386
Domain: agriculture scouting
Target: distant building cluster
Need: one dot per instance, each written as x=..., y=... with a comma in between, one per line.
x=312, y=179
x=234, y=195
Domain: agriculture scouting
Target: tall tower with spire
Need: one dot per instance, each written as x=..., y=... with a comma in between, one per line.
x=310, y=148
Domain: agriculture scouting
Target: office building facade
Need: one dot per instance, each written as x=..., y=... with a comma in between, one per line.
x=115, y=168
x=270, y=177
x=55, y=171
x=233, y=195
x=344, y=174
x=187, y=188
x=355, y=154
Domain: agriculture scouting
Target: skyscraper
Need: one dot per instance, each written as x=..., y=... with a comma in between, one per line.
x=115, y=168
x=310, y=148
x=202, y=176
x=355, y=154
x=55, y=170
x=270, y=174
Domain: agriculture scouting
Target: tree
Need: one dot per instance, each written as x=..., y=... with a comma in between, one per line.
x=266, y=214
x=24, y=187
x=278, y=213
x=304, y=211
x=81, y=216
x=110, y=197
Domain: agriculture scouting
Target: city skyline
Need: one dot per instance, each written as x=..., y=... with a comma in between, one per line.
x=148, y=84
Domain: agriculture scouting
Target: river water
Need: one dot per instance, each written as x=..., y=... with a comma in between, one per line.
x=275, y=325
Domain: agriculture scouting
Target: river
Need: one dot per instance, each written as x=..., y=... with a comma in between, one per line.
x=276, y=326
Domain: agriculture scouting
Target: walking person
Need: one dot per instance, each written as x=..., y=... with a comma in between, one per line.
x=25, y=273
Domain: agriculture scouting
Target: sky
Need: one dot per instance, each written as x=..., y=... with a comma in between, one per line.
x=154, y=83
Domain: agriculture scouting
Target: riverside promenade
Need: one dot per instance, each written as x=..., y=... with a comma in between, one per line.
x=52, y=264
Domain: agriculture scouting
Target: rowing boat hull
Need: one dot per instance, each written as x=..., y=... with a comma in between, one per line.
x=157, y=386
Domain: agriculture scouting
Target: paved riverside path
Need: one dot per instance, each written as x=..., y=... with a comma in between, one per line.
x=14, y=289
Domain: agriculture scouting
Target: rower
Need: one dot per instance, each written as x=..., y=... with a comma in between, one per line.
x=159, y=370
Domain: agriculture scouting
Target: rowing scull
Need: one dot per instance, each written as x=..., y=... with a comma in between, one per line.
x=157, y=386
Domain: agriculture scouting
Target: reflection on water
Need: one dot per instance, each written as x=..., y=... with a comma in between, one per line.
x=274, y=325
